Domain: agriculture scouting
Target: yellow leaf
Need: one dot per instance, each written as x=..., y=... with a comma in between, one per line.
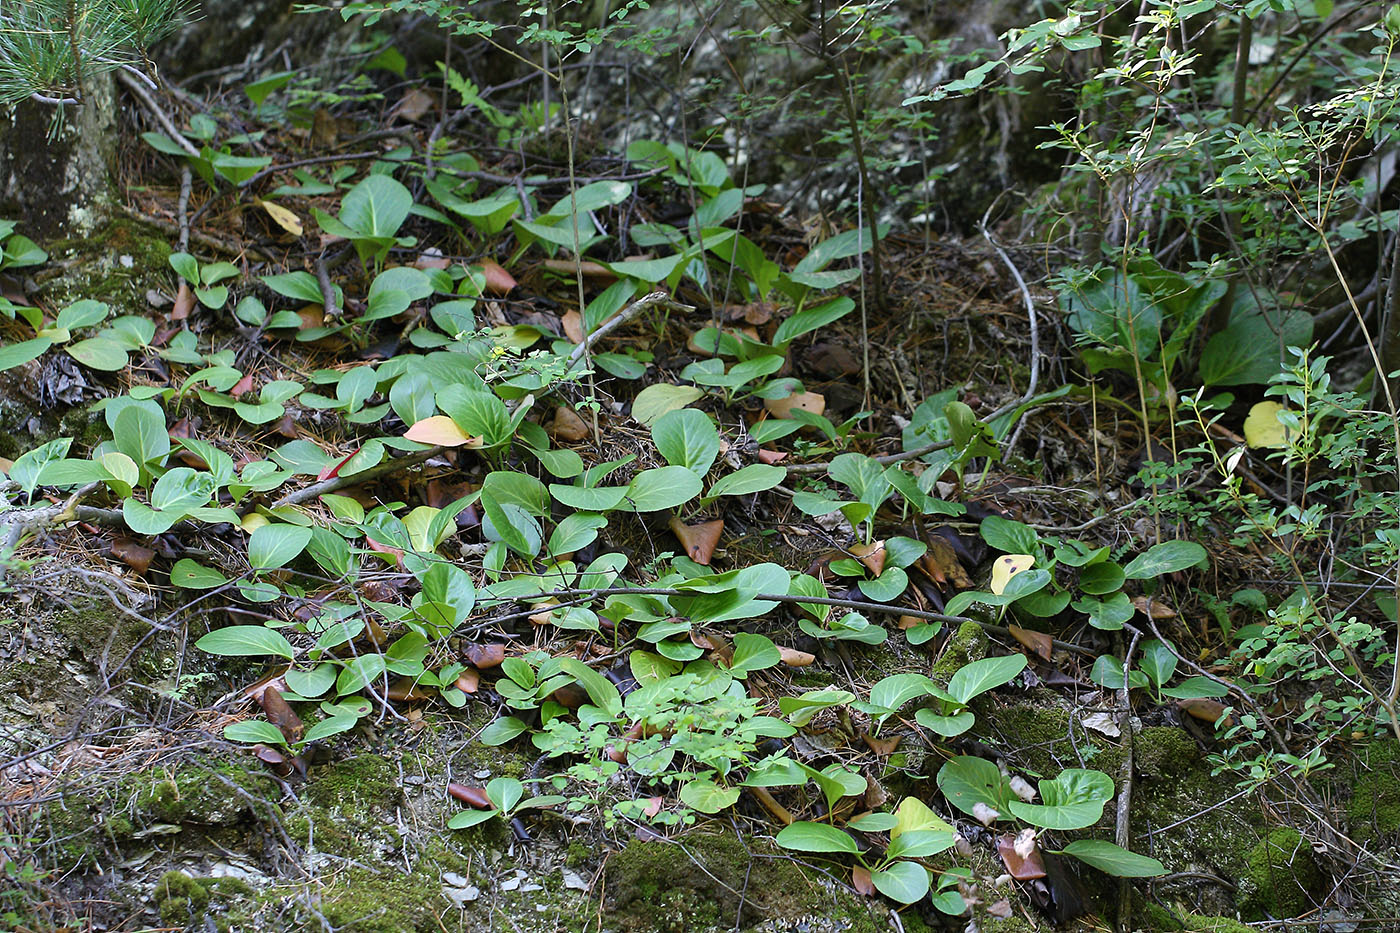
x=1006, y=567
x=913, y=815
x=253, y=521
x=1262, y=428
x=439, y=430
x=281, y=216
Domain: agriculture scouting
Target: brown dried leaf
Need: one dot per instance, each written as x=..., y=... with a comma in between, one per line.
x=1203, y=709
x=941, y=563
x=572, y=323
x=406, y=689
x=881, y=747
x=589, y=270
x=568, y=425
x=135, y=556
x=1001, y=909
x=469, y=681
x=700, y=540
x=794, y=658
x=184, y=302
x=861, y=881
x=1154, y=608
x=813, y=402
x=412, y=105
x=872, y=555
x=471, y=796
x=1022, y=869
x=484, y=657
x=280, y=714
x=498, y=280
x=438, y=431
x=771, y=456
x=1038, y=642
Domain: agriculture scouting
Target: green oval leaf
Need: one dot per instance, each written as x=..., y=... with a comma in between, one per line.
x=804, y=836
x=246, y=641
x=1113, y=860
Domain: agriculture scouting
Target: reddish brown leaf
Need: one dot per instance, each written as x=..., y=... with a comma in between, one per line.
x=471, y=796
x=484, y=657
x=134, y=555
x=570, y=696
x=941, y=563
x=813, y=402
x=872, y=555
x=882, y=747
x=273, y=759
x=589, y=270
x=287, y=426
x=184, y=303
x=572, y=322
x=242, y=387
x=498, y=280
x=280, y=714
x=653, y=807
x=432, y=261
x=771, y=456
x=406, y=689
x=392, y=552
x=568, y=425
x=469, y=681
x=1038, y=642
x=860, y=880
x=1154, y=608
x=1022, y=869
x=412, y=105
x=699, y=540
x=617, y=753
x=1203, y=709
x=794, y=658
x=908, y=622
x=375, y=633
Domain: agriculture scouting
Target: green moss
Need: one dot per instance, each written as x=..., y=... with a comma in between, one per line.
x=384, y=902
x=179, y=899
x=366, y=778
x=198, y=794
x=677, y=887
x=1035, y=733
x=969, y=643
x=1374, y=809
x=1281, y=878
x=1198, y=924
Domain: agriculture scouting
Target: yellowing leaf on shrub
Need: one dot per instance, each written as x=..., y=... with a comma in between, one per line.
x=1006, y=567
x=282, y=217
x=1262, y=428
x=253, y=521
x=438, y=430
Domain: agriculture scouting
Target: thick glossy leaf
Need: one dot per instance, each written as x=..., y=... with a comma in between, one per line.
x=756, y=477
x=903, y=882
x=752, y=653
x=661, y=488
x=655, y=400
x=1167, y=557
x=687, y=438
x=1114, y=860
x=966, y=781
x=189, y=575
x=1072, y=800
x=805, y=836
x=978, y=677
x=273, y=546
x=891, y=693
x=246, y=641
x=254, y=730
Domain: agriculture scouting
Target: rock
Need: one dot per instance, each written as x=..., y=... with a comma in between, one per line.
x=1281, y=878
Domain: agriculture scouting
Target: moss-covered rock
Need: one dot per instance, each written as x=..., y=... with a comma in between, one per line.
x=968, y=643
x=1374, y=809
x=1281, y=878
x=695, y=884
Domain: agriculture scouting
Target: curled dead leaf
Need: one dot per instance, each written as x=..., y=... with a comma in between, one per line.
x=1153, y=608
x=437, y=431
x=1039, y=643
x=1026, y=867
x=572, y=323
x=136, y=556
x=771, y=457
x=794, y=658
x=812, y=402
x=941, y=563
x=882, y=747
x=488, y=656
x=568, y=425
x=1203, y=709
x=280, y=714
x=471, y=796
x=184, y=303
x=498, y=280
x=872, y=555
x=469, y=681
x=699, y=540
x=407, y=690
x=861, y=881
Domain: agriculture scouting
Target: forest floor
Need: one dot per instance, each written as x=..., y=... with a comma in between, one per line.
x=123, y=806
